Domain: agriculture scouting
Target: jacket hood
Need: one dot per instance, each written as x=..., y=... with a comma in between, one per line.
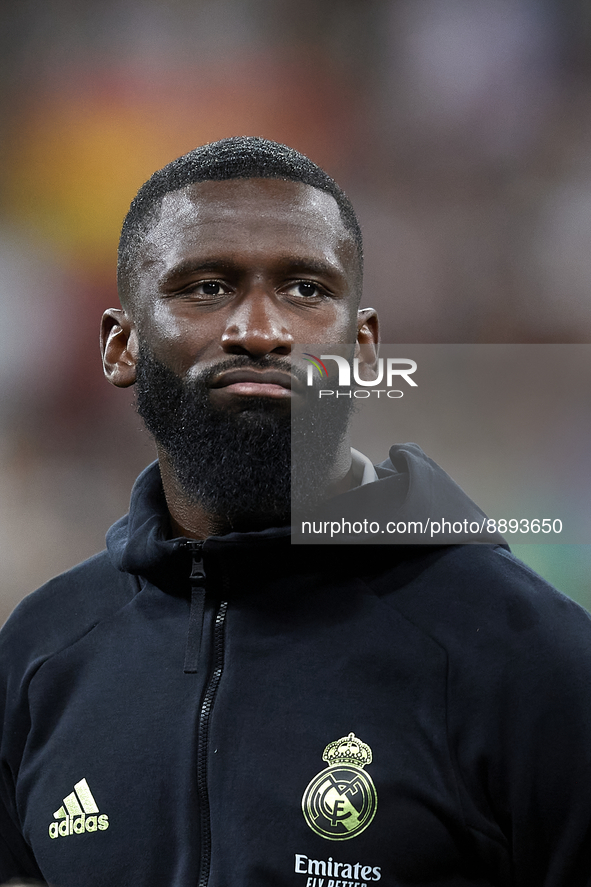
x=411, y=487
x=141, y=542
x=414, y=502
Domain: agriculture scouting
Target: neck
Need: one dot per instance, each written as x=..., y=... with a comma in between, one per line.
x=186, y=517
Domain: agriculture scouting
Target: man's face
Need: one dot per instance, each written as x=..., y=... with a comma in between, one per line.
x=232, y=275
x=245, y=267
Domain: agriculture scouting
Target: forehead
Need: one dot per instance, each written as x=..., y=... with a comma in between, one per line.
x=257, y=216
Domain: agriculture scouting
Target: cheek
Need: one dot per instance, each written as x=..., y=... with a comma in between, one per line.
x=339, y=326
x=177, y=339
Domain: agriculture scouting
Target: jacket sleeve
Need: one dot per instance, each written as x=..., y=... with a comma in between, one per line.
x=520, y=729
x=16, y=857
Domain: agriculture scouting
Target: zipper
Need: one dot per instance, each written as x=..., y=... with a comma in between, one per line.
x=196, y=619
x=203, y=741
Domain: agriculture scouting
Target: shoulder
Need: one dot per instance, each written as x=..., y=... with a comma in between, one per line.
x=471, y=598
x=63, y=610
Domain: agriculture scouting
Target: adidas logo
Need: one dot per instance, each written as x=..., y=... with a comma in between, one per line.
x=78, y=814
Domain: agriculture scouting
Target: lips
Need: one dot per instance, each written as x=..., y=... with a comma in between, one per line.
x=257, y=383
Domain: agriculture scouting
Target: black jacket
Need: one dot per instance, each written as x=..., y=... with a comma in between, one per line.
x=168, y=731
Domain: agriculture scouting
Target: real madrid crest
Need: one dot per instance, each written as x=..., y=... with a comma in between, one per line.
x=341, y=801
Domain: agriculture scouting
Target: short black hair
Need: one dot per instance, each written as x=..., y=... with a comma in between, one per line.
x=239, y=157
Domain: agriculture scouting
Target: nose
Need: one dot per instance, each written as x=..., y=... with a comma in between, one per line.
x=257, y=326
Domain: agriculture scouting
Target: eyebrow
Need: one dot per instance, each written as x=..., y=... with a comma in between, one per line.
x=186, y=267
x=313, y=266
x=192, y=266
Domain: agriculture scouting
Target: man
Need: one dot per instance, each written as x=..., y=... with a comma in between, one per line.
x=205, y=704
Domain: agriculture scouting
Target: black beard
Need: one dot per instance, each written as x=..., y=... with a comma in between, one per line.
x=237, y=465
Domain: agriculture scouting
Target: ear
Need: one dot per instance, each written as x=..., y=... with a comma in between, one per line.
x=368, y=337
x=119, y=347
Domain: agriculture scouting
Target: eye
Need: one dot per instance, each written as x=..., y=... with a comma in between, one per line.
x=207, y=289
x=305, y=289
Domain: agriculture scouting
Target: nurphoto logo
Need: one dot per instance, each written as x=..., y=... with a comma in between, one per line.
x=389, y=372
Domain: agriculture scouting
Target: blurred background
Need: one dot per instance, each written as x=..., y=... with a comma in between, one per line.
x=461, y=129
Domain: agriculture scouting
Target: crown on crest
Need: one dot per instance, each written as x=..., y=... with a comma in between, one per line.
x=347, y=750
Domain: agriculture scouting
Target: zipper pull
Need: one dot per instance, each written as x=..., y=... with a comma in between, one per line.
x=197, y=574
x=195, y=628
